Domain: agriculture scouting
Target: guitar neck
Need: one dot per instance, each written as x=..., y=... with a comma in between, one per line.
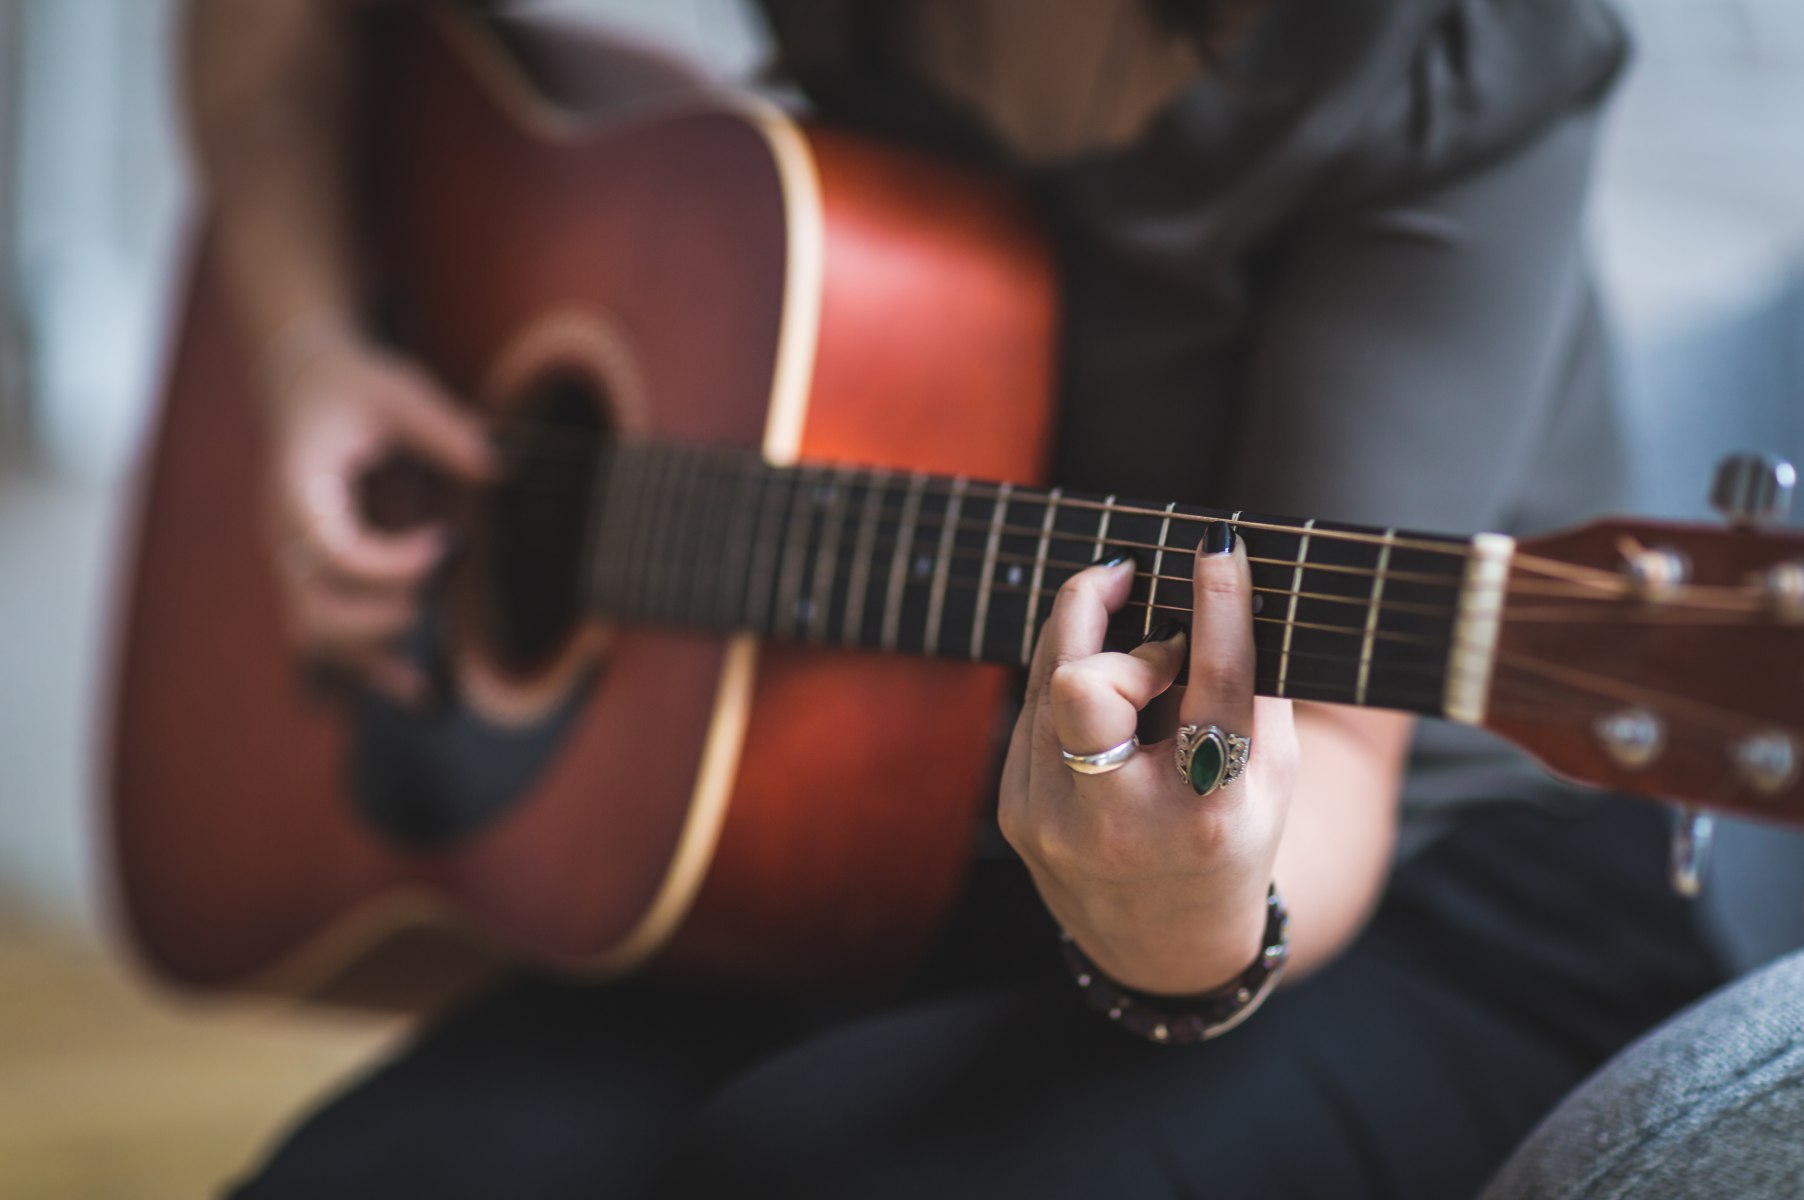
x=957, y=568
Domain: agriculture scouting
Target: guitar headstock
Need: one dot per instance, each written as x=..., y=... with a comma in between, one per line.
x=1664, y=659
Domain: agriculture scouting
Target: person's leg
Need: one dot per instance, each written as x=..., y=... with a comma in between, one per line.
x=1506, y=962
x=1708, y=1105
x=537, y=1090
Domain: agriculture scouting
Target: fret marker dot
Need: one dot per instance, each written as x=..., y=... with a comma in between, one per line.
x=923, y=566
x=824, y=493
x=804, y=608
x=1016, y=576
x=1258, y=603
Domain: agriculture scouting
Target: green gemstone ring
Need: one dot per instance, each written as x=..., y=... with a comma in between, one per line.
x=1208, y=759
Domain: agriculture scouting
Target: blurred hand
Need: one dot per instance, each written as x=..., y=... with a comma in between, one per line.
x=1162, y=888
x=338, y=406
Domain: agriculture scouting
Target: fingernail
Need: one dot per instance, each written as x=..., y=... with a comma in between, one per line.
x=1163, y=630
x=1218, y=538
x=1117, y=561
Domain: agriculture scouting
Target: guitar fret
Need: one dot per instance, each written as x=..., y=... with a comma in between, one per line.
x=980, y=623
x=898, y=571
x=798, y=525
x=936, y=600
x=1290, y=619
x=877, y=486
x=763, y=552
x=1152, y=590
x=712, y=601
x=1372, y=610
x=682, y=513
x=1102, y=527
x=736, y=562
x=645, y=548
x=720, y=539
x=608, y=567
x=826, y=560
x=1030, y=626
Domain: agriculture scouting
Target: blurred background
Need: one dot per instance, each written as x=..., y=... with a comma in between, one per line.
x=109, y=1088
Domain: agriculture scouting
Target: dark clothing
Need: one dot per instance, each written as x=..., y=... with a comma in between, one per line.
x=1340, y=276
x=1506, y=962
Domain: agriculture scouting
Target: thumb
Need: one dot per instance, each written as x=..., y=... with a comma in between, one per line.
x=429, y=421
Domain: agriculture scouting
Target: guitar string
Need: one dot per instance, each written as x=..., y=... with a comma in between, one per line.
x=1526, y=664
x=1526, y=561
x=1644, y=694
x=1506, y=684
x=798, y=480
x=980, y=489
x=982, y=525
x=1587, y=579
x=1745, y=602
x=1535, y=700
x=766, y=596
x=882, y=550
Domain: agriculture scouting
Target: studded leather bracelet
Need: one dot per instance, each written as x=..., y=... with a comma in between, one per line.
x=1183, y=1020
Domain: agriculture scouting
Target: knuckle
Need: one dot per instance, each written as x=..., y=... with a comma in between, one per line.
x=1011, y=820
x=1231, y=676
x=1072, y=682
x=1115, y=851
x=1051, y=849
x=1220, y=585
x=1073, y=589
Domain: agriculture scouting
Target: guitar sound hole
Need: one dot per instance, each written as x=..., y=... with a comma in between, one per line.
x=537, y=521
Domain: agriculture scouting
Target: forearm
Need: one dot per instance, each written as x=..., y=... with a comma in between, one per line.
x=267, y=85
x=1338, y=841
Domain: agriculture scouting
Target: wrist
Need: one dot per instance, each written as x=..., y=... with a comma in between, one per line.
x=303, y=341
x=1170, y=944
x=1185, y=1019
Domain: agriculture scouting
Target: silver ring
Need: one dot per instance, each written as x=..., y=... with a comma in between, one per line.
x=1208, y=759
x=1104, y=761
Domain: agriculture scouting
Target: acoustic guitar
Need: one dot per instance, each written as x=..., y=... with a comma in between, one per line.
x=724, y=661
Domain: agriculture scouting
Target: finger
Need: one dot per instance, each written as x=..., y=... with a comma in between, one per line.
x=434, y=425
x=331, y=540
x=330, y=674
x=393, y=676
x=1220, y=690
x=348, y=623
x=1079, y=619
x=1095, y=702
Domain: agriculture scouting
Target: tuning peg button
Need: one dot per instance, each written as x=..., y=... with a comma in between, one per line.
x=1752, y=489
x=1633, y=737
x=1784, y=584
x=1768, y=761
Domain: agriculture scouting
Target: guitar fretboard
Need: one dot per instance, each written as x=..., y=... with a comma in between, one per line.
x=920, y=564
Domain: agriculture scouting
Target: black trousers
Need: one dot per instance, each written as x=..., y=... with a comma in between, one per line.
x=1506, y=961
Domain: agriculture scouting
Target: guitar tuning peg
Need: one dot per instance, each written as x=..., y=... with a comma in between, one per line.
x=1752, y=489
x=1689, y=855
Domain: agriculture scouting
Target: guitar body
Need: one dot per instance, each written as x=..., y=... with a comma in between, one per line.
x=704, y=272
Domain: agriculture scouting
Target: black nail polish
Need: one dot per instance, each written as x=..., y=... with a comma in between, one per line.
x=1163, y=630
x=1218, y=538
x=1117, y=561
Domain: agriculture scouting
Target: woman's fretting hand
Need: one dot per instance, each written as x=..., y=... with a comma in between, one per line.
x=1162, y=888
x=339, y=406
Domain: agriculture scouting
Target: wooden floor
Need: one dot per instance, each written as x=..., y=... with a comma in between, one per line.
x=111, y=1090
